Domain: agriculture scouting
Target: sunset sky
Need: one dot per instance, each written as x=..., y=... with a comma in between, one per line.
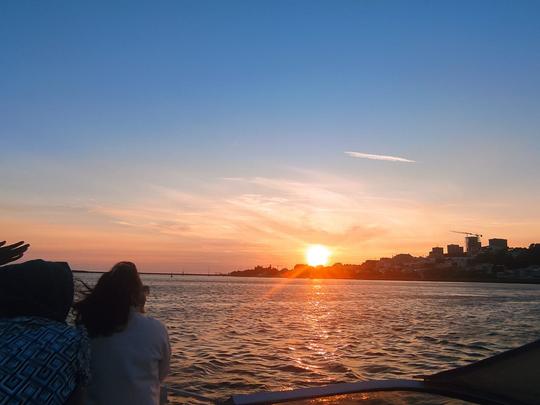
x=214, y=136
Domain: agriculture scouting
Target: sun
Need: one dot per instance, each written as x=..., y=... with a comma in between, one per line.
x=317, y=255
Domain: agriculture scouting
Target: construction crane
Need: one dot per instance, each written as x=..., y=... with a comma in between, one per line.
x=471, y=246
x=469, y=233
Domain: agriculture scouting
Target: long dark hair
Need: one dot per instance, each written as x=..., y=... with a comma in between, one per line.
x=105, y=310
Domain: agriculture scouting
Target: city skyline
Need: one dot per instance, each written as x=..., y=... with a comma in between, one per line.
x=188, y=135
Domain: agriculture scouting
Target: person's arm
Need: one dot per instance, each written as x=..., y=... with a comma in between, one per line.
x=10, y=253
x=164, y=362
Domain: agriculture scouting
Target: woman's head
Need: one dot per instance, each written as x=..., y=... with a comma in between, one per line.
x=105, y=310
x=36, y=288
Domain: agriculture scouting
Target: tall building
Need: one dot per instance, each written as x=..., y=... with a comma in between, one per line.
x=498, y=244
x=436, y=252
x=473, y=244
x=454, y=250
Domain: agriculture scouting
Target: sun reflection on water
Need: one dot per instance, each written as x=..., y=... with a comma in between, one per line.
x=320, y=347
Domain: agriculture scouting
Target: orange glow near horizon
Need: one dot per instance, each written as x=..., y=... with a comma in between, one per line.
x=317, y=255
x=257, y=221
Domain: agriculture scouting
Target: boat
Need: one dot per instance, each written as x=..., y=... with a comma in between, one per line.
x=511, y=377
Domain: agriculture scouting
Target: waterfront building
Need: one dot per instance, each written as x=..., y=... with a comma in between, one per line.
x=473, y=244
x=436, y=252
x=403, y=258
x=498, y=244
x=454, y=250
x=384, y=263
x=459, y=262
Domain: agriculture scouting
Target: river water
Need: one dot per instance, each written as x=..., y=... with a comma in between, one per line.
x=240, y=335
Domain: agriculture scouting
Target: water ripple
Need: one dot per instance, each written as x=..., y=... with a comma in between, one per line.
x=233, y=335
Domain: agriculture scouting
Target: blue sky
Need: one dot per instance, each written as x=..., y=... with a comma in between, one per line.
x=104, y=106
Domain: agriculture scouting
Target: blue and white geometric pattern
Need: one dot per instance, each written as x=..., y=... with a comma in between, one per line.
x=41, y=361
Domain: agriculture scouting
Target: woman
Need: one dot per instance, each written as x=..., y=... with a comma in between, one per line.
x=43, y=360
x=130, y=352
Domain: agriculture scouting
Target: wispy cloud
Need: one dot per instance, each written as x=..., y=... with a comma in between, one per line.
x=230, y=223
x=379, y=157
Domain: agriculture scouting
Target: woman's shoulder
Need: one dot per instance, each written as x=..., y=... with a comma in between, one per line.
x=149, y=322
x=42, y=346
x=34, y=325
x=45, y=335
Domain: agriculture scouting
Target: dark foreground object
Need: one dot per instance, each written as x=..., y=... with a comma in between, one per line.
x=512, y=377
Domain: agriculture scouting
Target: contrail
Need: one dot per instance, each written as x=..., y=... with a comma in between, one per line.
x=379, y=157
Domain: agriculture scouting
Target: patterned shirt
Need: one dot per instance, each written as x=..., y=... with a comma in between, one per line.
x=41, y=361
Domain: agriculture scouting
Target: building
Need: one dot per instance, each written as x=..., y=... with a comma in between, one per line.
x=498, y=244
x=459, y=262
x=454, y=250
x=436, y=252
x=473, y=244
x=403, y=258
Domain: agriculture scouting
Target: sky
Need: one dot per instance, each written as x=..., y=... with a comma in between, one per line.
x=214, y=136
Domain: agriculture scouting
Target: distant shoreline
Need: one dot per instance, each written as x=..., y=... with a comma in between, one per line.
x=494, y=281
x=158, y=273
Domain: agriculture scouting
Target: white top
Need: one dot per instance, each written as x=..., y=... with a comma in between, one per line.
x=128, y=367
